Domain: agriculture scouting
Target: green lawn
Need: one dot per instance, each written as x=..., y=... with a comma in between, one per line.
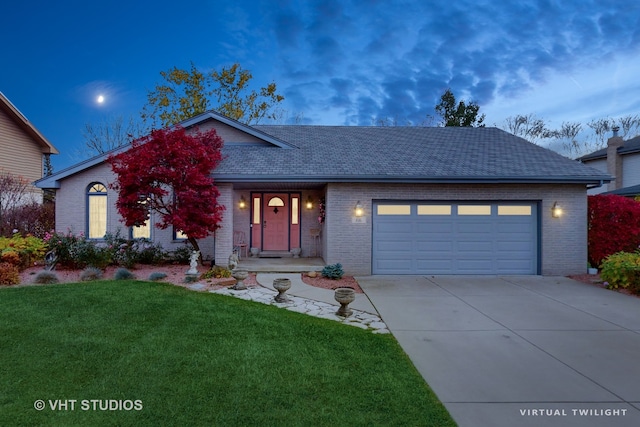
x=195, y=359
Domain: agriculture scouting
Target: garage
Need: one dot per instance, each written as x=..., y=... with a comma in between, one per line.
x=455, y=237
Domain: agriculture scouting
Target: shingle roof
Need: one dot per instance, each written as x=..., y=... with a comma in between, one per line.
x=630, y=191
x=379, y=154
x=409, y=154
x=630, y=146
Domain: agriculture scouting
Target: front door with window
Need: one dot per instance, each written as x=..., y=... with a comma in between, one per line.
x=275, y=221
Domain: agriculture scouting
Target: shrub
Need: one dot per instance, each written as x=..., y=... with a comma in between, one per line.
x=78, y=251
x=30, y=218
x=27, y=248
x=123, y=274
x=156, y=275
x=614, y=226
x=90, y=273
x=190, y=279
x=151, y=254
x=333, y=271
x=216, y=272
x=182, y=255
x=65, y=246
x=622, y=270
x=46, y=278
x=123, y=251
x=9, y=274
x=10, y=256
x=89, y=254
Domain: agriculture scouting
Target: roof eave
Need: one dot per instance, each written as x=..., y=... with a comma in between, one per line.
x=226, y=178
x=26, y=125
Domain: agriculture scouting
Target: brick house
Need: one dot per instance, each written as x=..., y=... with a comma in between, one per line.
x=621, y=160
x=397, y=200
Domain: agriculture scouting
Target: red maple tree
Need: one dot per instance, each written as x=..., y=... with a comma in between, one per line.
x=614, y=226
x=169, y=173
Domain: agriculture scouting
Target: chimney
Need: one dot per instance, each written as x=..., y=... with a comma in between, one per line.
x=614, y=161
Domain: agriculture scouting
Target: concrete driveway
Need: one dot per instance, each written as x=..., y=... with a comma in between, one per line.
x=518, y=350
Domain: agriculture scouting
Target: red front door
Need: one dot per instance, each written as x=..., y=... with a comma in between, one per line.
x=275, y=222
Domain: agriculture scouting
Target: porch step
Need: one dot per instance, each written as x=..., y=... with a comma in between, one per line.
x=275, y=254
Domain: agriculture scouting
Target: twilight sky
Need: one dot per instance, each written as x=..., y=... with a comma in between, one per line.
x=336, y=62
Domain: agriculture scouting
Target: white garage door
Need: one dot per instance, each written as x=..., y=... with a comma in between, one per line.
x=455, y=238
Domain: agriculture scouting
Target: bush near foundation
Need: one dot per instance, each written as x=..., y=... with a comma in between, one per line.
x=9, y=274
x=622, y=270
x=333, y=271
x=28, y=249
x=614, y=226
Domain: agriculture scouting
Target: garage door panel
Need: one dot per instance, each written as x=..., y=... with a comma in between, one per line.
x=402, y=263
x=513, y=227
x=474, y=267
x=434, y=267
x=479, y=246
x=513, y=266
x=393, y=227
x=435, y=246
x=513, y=247
x=475, y=227
x=442, y=227
x=499, y=240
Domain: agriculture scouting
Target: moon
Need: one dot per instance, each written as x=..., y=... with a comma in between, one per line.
x=100, y=99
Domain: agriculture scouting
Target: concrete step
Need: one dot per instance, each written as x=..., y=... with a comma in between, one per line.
x=275, y=254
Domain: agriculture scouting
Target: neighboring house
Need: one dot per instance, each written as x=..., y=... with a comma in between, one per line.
x=22, y=147
x=621, y=160
x=397, y=200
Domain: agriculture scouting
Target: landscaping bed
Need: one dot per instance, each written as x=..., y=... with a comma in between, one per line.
x=176, y=275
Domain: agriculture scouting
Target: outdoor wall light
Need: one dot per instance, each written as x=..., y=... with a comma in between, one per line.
x=556, y=210
x=358, y=210
x=243, y=203
x=309, y=203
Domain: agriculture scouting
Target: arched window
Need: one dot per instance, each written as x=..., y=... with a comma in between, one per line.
x=96, y=210
x=276, y=201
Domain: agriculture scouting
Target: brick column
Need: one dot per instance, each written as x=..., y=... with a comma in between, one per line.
x=224, y=234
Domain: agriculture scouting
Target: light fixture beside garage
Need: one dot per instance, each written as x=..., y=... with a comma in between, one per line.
x=556, y=210
x=358, y=209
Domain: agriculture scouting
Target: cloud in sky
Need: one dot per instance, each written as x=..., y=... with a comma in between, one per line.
x=401, y=56
x=337, y=62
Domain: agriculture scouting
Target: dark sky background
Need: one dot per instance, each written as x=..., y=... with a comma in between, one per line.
x=336, y=62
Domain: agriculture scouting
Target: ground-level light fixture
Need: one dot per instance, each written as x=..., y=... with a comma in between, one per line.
x=556, y=210
x=358, y=209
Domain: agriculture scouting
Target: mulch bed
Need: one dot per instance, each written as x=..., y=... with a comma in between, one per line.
x=176, y=274
x=595, y=280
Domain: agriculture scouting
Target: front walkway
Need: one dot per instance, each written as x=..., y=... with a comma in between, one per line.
x=305, y=299
x=518, y=350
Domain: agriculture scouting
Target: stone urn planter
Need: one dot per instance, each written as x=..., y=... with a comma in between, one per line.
x=255, y=252
x=296, y=252
x=239, y=274
x=281, y=285
x=345, y=296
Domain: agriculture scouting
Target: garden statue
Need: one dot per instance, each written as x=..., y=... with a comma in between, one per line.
x=233, y=260
x=193, y=263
